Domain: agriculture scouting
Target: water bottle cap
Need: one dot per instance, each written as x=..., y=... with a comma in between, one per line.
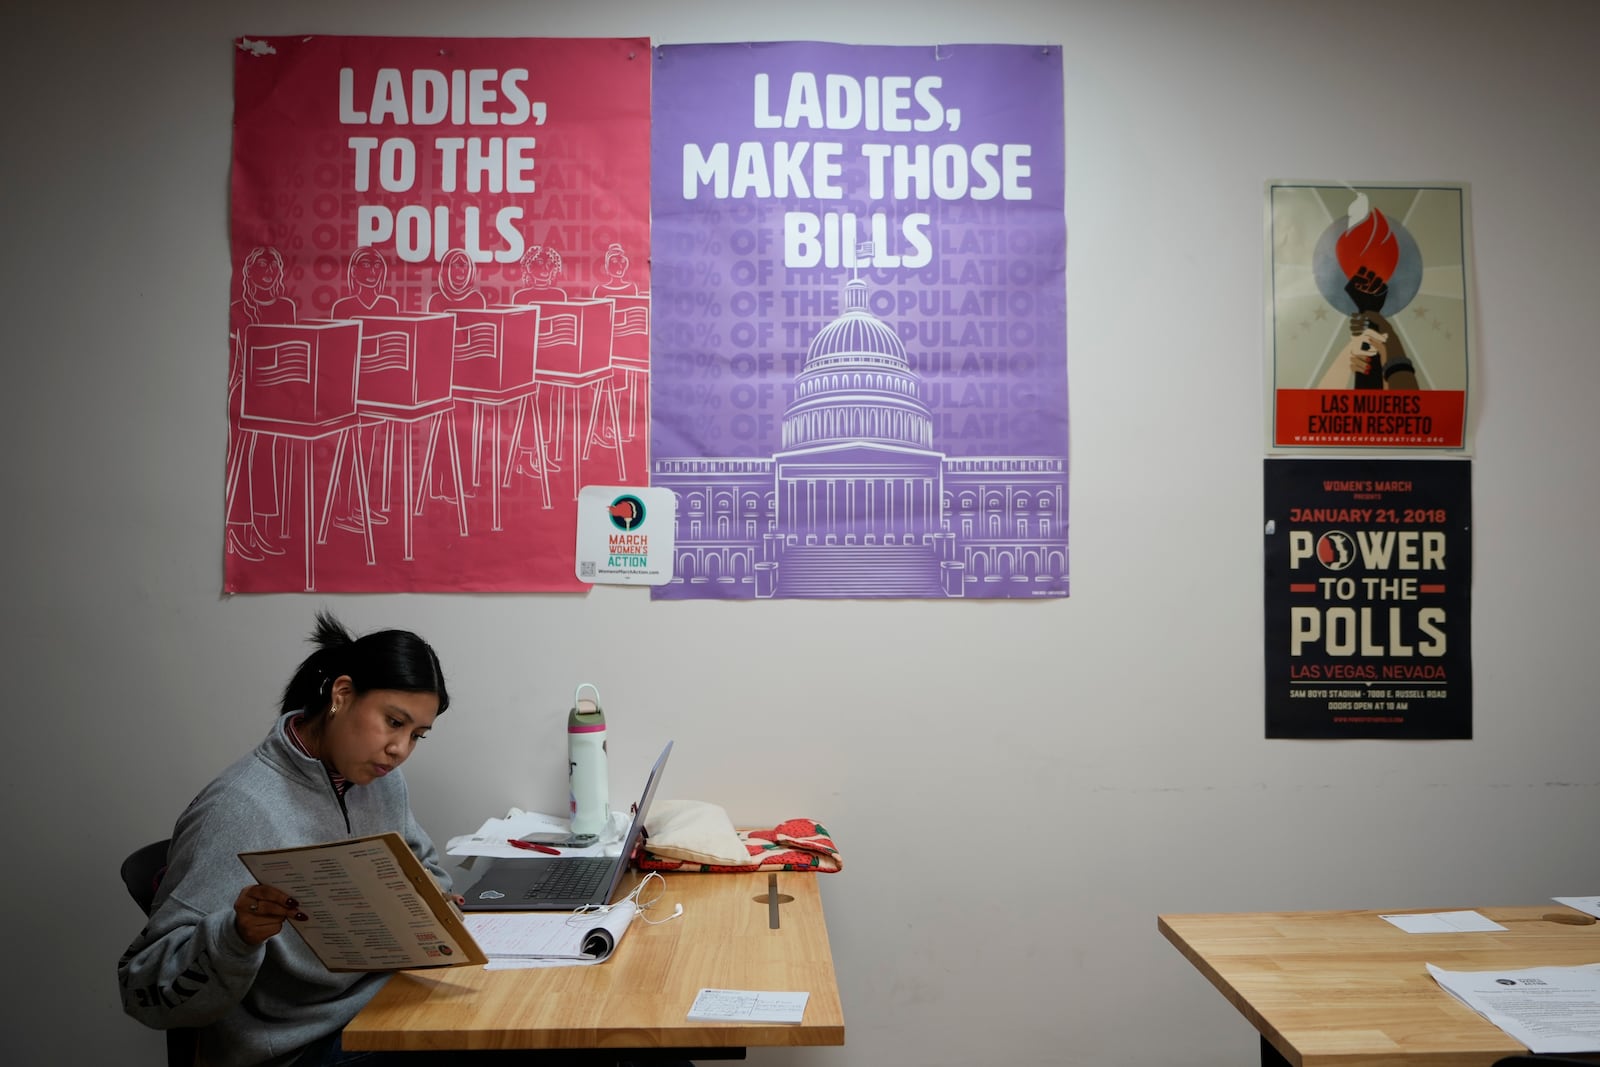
x=586, y=715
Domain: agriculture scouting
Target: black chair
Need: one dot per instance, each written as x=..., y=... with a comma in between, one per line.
x=141, y=873
x=1533, y=1059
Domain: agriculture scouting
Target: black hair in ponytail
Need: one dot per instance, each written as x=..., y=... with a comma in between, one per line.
x=386, y=659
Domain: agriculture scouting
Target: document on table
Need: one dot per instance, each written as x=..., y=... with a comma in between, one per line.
x=491, y=838
x=1442, y=922
x=514, y=939
x=1549, y=1009
x=748, y=1006
x=1587, y=905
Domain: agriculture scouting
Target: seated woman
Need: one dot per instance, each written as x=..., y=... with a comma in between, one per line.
x=211, y=956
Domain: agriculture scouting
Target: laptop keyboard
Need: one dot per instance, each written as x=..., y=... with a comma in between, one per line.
x=581, y=877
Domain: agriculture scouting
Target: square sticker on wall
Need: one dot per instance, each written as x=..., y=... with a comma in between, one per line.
x=625, y=534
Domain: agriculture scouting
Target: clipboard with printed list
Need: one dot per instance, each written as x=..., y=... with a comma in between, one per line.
x=370, y=905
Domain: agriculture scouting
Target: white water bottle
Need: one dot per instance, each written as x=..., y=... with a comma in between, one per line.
x=588, y=784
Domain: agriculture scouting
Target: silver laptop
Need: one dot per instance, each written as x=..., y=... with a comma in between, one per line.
x=560, y=883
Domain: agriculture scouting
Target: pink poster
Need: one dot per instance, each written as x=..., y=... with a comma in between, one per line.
x=440, y=308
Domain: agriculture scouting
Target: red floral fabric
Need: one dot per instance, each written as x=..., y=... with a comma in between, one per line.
x=792, y=845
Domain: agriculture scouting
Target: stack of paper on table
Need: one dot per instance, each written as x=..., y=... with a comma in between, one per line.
x=490, y=838
x=748, y=1006
x=1587, y=905
x=549, y=938
x=1549, y=1009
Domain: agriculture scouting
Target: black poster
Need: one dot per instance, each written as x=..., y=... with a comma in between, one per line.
x=1368, y=598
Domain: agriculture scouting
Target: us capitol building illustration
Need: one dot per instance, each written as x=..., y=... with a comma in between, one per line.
x=859, y=503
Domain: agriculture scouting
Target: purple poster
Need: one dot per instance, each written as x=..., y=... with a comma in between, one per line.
x=858, y=350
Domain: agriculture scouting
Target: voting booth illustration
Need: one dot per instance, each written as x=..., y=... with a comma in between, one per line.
x=403, y=383
x=300, y=387
x=300, y=374
x=405, y=359
x=496, y=349
x=575, y=357
x=630, y=356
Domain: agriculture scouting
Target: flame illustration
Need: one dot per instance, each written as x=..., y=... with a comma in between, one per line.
x=1370, y=244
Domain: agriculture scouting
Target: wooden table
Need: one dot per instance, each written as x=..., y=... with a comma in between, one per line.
x=1347, y=988
x=638, y=999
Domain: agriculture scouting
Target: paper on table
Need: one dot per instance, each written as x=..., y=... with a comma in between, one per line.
x=549, y=938
x=1587, y=905
x=1443, y=922
x=748, y=1005
x=1549, y=1009
x=490, y=838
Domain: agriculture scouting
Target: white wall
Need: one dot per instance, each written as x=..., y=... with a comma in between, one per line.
x=1109, y=746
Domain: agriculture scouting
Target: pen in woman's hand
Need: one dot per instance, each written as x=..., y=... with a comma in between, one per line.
x=533, y=846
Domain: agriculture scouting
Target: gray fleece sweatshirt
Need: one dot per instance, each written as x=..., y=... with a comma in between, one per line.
x=254, y=1004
